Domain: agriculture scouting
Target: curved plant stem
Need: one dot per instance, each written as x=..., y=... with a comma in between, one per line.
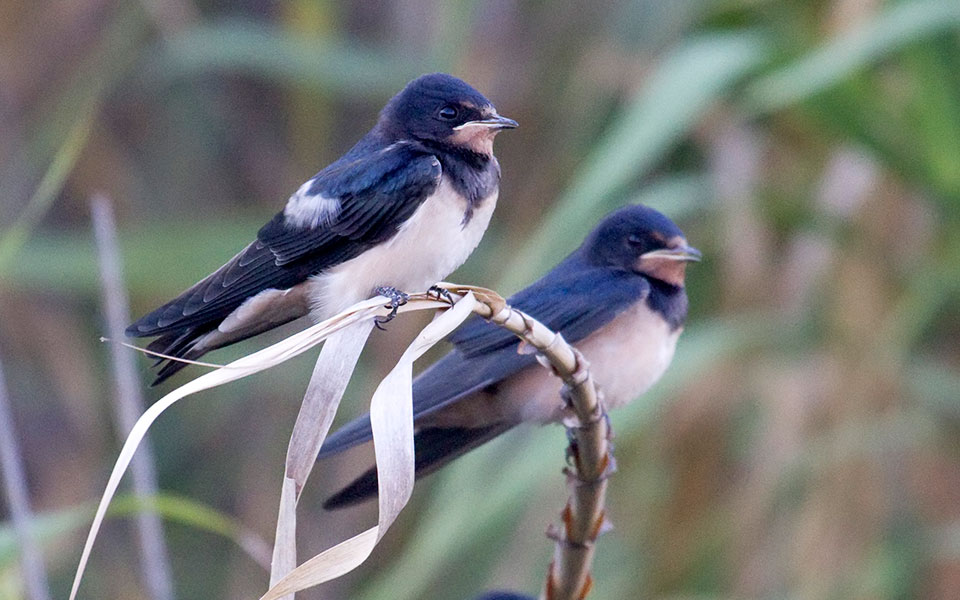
x=591, y=462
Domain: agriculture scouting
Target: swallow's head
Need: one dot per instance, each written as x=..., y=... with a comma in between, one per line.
x=643, y=241
x=442, y=109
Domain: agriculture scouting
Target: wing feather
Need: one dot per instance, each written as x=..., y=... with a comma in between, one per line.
x=571, y=300
x=377, y=193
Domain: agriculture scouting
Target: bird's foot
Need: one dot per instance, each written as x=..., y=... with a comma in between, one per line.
x=441, y=293
x=397, y=299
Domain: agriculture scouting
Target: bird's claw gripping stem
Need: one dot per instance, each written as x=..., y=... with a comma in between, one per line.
x=441, y=293
x=397, y=299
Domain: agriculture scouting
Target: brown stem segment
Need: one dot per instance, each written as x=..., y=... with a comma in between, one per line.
x=583, y=518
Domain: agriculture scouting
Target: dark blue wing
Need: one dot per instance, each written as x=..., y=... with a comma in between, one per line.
x=252, y=270
x=377, y=191
x=572, y=299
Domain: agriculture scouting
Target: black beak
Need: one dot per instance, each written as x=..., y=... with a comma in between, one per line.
x=684, y=253
x=495, y=122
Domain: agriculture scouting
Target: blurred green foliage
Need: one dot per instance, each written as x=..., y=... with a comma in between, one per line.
x=804, y=443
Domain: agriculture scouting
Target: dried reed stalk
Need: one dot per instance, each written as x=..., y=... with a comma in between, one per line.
x=128, y=402
x=583, y=517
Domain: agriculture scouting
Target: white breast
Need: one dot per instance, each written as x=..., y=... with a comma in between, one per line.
x=430, y=245
x=630, y=354
x=627, y=356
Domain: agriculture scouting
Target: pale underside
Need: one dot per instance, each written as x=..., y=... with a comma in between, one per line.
x=430, y=245
x=626, y=356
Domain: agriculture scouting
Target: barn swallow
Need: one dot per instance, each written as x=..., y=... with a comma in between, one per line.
x=399, y=211
x=619, y=297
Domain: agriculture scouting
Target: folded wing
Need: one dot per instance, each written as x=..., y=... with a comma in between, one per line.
x=363, y=202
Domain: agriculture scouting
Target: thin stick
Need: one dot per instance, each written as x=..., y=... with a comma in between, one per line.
x=583, y=517
x=129, y=402
x=170, y=357
x=15, y=486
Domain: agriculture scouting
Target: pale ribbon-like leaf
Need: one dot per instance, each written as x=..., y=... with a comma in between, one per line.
x=391, y=417
x=332, y=373
x=284, y=558
x=252, y=363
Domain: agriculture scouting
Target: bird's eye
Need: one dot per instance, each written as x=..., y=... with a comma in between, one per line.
x=635, y=240
x=448, y=113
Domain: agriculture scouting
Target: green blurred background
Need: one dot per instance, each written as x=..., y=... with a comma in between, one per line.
x=804, y=445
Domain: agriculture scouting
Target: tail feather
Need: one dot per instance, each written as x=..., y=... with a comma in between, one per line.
x=181, y=344
x=193, y=342
x=434, y=447
x=171, y=344
x=352, y=434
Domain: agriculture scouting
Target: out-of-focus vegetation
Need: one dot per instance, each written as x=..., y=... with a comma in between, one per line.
x=803, y=445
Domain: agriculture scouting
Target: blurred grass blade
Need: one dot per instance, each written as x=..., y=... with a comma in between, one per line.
x=899, y=25
x=273, y=54
x=929, y=289
x=17, y=495
x=128, y=399
x=391, y=419
x=936, y=386
x=682, y=88
x=677, y=196
x=50, y=119
x=191, y=513
x=12, y=239
x=935, y=107
x=68, y=261
x=52, y=527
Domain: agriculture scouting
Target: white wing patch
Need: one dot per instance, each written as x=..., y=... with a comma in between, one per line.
x=428, y=246
x=310, y=210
